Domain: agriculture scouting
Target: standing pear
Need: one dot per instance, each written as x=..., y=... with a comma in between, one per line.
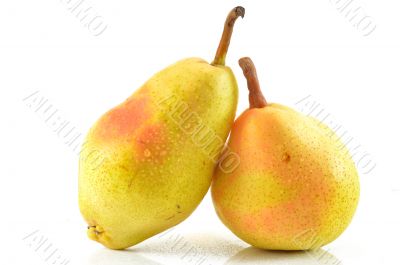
x=147, y=163
x=296, y=187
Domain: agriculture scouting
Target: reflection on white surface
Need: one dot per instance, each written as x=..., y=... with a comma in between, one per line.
x=179, y=244
x=256, y=256
x=119, y=257
x=206, y=250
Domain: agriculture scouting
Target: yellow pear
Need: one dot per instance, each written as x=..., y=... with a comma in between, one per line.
x=147, y=163
x=296, y=188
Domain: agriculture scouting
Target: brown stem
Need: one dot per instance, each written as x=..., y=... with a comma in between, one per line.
x=256, y=98
x=226, y=35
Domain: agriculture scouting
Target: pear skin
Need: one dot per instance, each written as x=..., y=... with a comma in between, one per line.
x=296, y=187
x=147, y=163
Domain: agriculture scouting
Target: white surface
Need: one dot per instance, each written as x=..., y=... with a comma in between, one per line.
x=300, y=48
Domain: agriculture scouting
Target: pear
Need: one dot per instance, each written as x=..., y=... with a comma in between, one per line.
x=296, y=187
x=147, y=163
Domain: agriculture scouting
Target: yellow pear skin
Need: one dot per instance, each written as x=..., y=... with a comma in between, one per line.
x=147, y=163
x=296, y=187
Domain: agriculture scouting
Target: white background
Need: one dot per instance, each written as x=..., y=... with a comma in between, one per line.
x=303, y=50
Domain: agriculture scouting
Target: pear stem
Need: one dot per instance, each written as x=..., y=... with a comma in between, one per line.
x=227, y=34
x=256, y=98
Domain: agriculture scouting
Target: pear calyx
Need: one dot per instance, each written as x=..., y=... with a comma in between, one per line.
x=256, y=97
x=227, y=34
x=94, y=231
